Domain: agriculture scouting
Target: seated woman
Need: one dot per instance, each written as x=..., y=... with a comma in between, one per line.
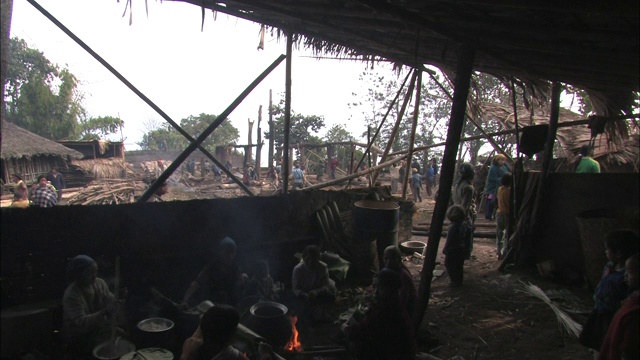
x=385, y=330
x=408, y=292
x=89, y=308
x=312, y=286
x=212, y=338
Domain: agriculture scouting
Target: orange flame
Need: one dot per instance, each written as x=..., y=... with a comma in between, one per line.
x=293, y=344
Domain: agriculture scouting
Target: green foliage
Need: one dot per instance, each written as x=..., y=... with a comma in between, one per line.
x=302, y=127
x=40, y=96
x=165, y=137
x=99, y=127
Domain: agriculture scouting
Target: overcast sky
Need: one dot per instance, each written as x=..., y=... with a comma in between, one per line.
x=184, y=70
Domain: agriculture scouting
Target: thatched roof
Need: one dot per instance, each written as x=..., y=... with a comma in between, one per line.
x=570, y=138
x=18, y=142
x=592, y=45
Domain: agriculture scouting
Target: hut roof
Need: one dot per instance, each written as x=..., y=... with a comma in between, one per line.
x=592, y=45
x=570, y=138
x=18, y=142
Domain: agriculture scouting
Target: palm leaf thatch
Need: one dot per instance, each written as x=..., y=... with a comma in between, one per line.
x=112, y=168
x=613, y=147
x=565, y=322
x=20, y=143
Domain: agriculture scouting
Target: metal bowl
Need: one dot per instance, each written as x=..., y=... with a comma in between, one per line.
x=110, y=350
x=155, y=325
x=409, y=247
x=268, y=310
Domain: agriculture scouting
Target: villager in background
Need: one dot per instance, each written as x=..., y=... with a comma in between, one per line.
x=502, y=213
x=585, y=163
x=385, y=331
x=434, y=166
x=416, y=184
x=497, y=169
x=456, y=247
x=408, y=293
x=429, y=179
x=212, y=338
x=43, y=194
x=394, y=172
x=20, y=191
x=333, y=165
x=416, y=165
x=221, y=280
x=402, y=171
x=157, y=196
x=312, y=287
x=464, y=195
x=272, y=176
x=89, y=308
x=612, y=289
x=57, y=180
x=297, y=175
x=623, y=337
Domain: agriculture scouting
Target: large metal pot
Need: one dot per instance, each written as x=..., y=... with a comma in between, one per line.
x=270, y=320
x=111, y=350
x=156, y=332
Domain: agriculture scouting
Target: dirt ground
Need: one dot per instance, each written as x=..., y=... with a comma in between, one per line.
x=488, y=317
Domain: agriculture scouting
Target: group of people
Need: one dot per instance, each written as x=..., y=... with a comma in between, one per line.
x=416, y=177
x=46, y=192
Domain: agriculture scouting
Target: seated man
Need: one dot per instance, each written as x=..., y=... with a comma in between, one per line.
x=220, y=280
x=312, y=286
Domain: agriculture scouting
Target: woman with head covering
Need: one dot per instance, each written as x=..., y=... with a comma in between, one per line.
x=88, y=306
x=497, y=169
x=464, y=195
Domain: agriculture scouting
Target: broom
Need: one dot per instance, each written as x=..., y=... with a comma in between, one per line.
x=565, y=322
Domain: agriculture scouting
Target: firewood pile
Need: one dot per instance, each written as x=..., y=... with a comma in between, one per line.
x=107, y=192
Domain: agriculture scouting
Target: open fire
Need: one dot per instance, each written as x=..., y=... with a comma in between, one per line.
x=293, y=345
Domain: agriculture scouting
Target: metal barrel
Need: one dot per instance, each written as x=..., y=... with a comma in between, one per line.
x=376, y=221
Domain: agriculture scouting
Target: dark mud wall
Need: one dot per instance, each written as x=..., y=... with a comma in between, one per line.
x=160, y=244
x=565, y=198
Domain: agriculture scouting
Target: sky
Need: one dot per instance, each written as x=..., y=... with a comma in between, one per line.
x=183, y=70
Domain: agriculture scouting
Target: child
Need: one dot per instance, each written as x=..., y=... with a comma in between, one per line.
x=619, y=245
x=261, y=284
x=416, y=184
x=623, y=339
x=456, y=247
x=502, y=214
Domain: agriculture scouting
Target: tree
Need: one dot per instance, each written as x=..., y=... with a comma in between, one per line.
x=165, y=137
x=302, y=127
x=44, y=99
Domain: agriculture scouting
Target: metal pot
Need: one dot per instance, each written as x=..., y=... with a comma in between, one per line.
x=270, y=320
x=111, y=350
x=156, y=332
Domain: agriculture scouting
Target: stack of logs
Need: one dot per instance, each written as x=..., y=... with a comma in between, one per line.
x=108, y=191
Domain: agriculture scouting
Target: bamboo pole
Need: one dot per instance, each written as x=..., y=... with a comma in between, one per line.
x=271, y=129
x=458, y=109
x=355, y=174
x=259, y=140
x=286, y=166
x=414, y=126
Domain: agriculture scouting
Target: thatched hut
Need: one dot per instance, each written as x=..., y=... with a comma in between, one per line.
x=30, y=155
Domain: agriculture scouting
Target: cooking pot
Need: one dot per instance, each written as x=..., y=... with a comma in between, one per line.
x=111, y=350
x=156, y=332
x=149, y=354
x=270, y=320
x=409, y=247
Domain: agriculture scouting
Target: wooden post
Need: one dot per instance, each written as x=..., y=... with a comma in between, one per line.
x=286, y=165
x=353, y=154
x=414, y=126
x=458, y=109
x=271, y=129
x=259, y=143
x=249, y=148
